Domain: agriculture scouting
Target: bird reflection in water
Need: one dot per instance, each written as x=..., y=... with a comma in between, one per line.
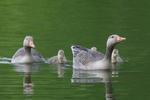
x=95, y=76
x=59, y=68
x=27, y=81
x=115, y=69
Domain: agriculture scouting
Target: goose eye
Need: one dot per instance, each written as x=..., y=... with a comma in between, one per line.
x=112, y=36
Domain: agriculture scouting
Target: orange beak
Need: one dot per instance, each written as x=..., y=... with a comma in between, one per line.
x=31, y=44
x=120, y=39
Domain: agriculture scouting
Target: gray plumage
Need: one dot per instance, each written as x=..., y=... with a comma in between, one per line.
x=84, y=55
x=35, y=54
x=53, y=59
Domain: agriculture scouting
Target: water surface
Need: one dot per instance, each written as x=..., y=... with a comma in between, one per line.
x=55, y=25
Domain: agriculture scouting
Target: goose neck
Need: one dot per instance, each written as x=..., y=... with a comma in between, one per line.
x=108, y=53
x=27, y=50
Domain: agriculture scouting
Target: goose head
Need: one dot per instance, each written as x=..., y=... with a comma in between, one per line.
x=28, y=42
x=61, y=56
x=115, y=53
x=114, y=56
x=114, y=39
x=94, y=48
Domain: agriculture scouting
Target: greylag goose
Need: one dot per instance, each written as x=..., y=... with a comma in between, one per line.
x=59, y=59
x=88, y=59
x=26, y=54
x=115, y=57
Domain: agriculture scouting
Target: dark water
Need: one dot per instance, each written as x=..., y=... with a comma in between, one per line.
x=57, y=24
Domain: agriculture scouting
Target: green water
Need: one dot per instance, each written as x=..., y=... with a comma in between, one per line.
x=57, y=24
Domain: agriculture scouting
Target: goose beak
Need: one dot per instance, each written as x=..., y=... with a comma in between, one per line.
x=31, y=44
x=120, y=39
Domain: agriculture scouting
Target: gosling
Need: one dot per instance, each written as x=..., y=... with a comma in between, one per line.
x=115, y=58
x=59, y=59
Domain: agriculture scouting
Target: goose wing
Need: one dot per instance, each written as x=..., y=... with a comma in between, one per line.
x=84, y=56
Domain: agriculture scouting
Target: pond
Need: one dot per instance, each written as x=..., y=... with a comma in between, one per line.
x=58, y=24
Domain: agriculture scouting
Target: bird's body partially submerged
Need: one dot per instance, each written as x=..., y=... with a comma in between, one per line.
x=21, y=57
x=88, y=59
x=27, y=54
x=59, y=59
